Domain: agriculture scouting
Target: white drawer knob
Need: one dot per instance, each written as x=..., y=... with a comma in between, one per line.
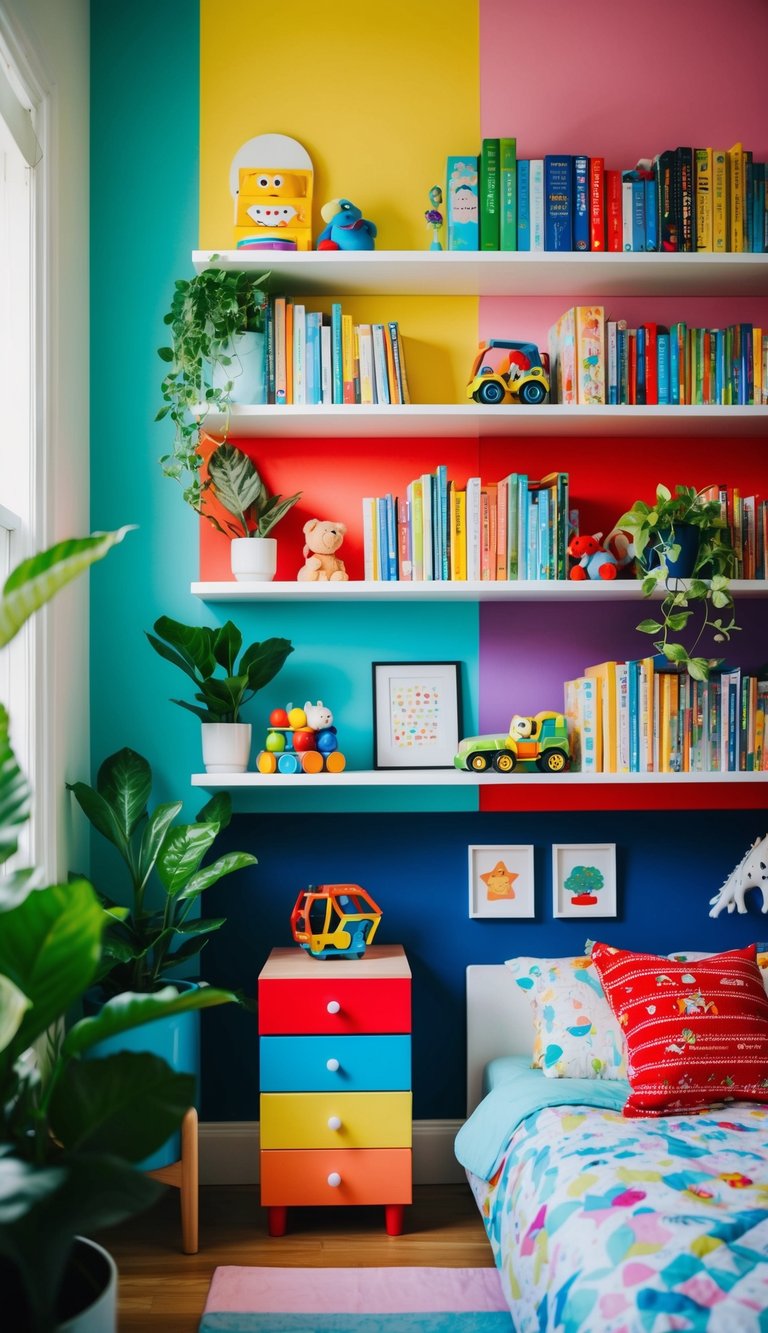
x=332, y=1065
x=334, y=1122
x=334, y=1179
x=333, y=1006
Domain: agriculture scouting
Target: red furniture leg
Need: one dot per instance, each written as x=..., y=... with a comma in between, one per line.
x=394, y=1214
x=277, y=1220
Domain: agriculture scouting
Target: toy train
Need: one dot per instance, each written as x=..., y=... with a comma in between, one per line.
x=301, y=740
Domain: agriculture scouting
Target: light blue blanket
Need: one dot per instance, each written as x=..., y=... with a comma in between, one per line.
x=519, y=1091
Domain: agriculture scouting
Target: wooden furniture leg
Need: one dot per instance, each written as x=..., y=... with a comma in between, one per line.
x=183, y=1175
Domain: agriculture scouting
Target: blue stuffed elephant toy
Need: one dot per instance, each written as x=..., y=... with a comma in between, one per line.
x=346, y=228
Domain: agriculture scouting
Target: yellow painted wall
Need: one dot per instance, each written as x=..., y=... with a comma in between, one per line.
x=379, y=96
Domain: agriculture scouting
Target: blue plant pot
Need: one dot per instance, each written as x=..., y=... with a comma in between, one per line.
x=687, y=537
x=176, y=1040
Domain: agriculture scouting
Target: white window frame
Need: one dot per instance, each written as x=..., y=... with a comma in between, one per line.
x=29, y=655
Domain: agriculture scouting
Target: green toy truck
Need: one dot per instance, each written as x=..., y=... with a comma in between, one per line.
x=541, y=741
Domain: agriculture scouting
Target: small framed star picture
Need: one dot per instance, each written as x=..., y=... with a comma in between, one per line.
x=501, y=881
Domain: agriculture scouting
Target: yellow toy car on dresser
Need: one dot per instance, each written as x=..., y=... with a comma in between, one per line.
x=541, y=741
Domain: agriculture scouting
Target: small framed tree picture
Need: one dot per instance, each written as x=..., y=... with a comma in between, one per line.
x=584, y=879
x=501, y=881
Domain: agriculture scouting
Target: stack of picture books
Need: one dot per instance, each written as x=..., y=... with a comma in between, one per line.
x=595, y=361
x=683, y=199
x=313, y=359
x=644, y=716
x=515, y=528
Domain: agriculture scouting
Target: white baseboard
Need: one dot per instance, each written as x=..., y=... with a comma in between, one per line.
x=229, y=1152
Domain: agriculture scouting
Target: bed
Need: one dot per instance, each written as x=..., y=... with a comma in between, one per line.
x=599, y=1223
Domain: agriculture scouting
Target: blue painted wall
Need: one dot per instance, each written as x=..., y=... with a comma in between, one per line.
x=145, y=60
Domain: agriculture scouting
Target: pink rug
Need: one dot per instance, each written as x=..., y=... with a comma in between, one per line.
x=355, y=1300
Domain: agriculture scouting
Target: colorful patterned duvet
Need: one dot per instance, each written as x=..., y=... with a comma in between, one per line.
x=604, y=1225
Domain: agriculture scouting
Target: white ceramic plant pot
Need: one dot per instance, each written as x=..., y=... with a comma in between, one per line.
x=254, y=559
x=226, y=746
x=92, y=1283
x=247, y=371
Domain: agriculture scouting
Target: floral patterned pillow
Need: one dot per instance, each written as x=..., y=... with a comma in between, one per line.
x=577, y=1035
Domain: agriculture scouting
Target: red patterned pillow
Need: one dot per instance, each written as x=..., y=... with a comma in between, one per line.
x=696, y=1032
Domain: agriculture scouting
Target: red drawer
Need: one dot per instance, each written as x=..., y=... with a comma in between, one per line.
x=362, y=1175
x=302, y=1006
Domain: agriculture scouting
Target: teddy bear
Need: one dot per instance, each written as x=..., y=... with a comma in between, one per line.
x=321, y=564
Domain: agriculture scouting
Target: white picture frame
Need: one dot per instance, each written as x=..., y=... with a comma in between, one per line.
x=416, y=714
x=588, y=894
x=501, y=881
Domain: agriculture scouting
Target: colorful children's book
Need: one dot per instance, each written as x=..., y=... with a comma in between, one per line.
x=367, y=377
x=462, y=204
x=684, y=189
x=736, y=197
x=299, y=354
x=537, y=203
x=613, y=211
x=589, y=725
x=508, y=194
x=603, y=673
x=326, y=358
x=702, y=174
x=720, y=193
x=581, y=203
x=370, y=540
x=280, y=350
x=380, y=363
x=490, y=168
x=427, y=501
x=524, y=204
x=667, y=222
x=651, y=216
x=590, y=354
x=558, y=202
x=347, y=359
x=473, y=528
x=336, y=355
x=597, y=203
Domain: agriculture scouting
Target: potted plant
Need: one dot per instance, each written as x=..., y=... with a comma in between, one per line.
x=223, y=683
x=238, y=487
x=70, y=1129
x=684, y=537
x=216, y=319
x=145, y=945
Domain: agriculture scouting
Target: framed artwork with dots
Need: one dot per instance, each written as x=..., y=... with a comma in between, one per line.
x=416, y=714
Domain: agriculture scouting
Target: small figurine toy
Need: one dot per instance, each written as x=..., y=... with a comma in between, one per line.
x=271, y=182
x=346, y=228
x=321, y=564
x=434, y=217
x=750, y=873
x=334, y=921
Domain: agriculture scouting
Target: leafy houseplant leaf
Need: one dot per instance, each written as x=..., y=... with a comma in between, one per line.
x=126, y=1104
x=226, y=645
x=14, y=793
x=124, y=781
x=49, y=948
x=153, y=837
x=181, y=854
x=211, y=874
x=100, y=813
x=193, y=643
x=236, y=483
x=262, y=661
x=13, y=1006
x=216, y=811
x=32, y=583
x=129, y=1010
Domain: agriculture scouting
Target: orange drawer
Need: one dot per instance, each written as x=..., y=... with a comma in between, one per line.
x=334, y=1003
x=362, y=1175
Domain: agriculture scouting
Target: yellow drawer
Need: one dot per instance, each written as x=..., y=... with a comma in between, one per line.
x=342, y=1119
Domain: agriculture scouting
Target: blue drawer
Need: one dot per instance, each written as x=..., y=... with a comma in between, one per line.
x=365, y=1064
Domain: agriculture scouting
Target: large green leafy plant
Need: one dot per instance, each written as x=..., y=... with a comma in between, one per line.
x=238, y=487
x=702, y=604
x=163, y=861
x=207, y=313
x=224, y=678
x=70, y=1129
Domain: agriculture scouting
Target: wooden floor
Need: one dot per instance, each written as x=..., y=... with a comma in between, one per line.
x=164, y=1291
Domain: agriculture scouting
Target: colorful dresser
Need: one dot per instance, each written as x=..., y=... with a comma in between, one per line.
x=335, y=1105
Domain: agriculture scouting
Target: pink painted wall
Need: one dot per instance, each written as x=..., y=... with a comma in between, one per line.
x=619, y=81
x=624, y=80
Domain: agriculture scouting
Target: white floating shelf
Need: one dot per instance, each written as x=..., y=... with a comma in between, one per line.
x=452, y=777
x=555, y=590
x=470, y=420
x=430, y=273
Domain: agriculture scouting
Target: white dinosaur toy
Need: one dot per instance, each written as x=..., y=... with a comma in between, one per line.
x=750, y=873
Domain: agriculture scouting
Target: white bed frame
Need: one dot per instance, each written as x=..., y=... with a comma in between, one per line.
x=499, y=1022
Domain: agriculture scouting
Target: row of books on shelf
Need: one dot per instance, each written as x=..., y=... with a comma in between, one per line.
x=684, y=199
x=641, y=717
x=313, y=359
x=596, y=360
x=515, y=528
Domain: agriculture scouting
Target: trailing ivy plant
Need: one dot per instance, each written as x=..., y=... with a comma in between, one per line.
x=207, y=312
x=694, y=606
